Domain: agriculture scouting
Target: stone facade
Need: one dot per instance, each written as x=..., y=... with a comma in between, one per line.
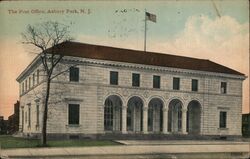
x=93, y=89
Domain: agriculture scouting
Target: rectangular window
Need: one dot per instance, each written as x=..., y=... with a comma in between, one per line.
x=194, y=85
x=20, y=88
x=29, y=119
x=223, y=119
x=37, y=77
x=37, y=114
x=26, y=117
x=25, y=85
x=22, y=118
x=29, y=82
x=156, y=81
x=113, y=78
x=176, y=83
x=33, y=83
x=74, y=74
x=73, y=116
x=223, y=87
x=136, y=80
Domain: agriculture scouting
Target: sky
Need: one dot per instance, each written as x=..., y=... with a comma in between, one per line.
x=217, y=30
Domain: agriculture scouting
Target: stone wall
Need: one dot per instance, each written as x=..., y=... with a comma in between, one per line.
x=29, y=100
x=93, y=88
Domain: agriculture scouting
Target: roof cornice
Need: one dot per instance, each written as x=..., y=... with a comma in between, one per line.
x=30, y=67
x=151, y=67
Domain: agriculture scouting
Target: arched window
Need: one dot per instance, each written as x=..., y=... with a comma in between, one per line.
x=112, y=113
x=175, y=116
x=134, y=114
x=108, y=115
x=155, y=115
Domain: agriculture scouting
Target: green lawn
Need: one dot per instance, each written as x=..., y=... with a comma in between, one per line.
x=7, y=141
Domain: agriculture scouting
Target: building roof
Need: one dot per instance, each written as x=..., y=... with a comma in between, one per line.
x=77, y=49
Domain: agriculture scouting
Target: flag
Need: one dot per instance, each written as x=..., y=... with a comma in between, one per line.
x=151, y=17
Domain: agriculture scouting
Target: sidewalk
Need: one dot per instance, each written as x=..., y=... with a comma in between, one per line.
x=181, y=142
x=136, y=148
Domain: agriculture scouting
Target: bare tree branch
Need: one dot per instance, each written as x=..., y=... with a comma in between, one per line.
x=47, y=36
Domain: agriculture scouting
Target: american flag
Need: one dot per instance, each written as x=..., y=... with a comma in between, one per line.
x=151, y=17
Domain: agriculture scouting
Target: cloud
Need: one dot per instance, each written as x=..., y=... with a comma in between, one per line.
x=204, y=36
x=223, y=40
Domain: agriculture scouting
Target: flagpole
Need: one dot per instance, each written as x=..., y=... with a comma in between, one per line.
x=145, y=32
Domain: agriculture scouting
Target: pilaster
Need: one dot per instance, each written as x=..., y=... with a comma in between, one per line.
x=184, y=121
x=124, y=119
x=165, y=121
x=145, y=120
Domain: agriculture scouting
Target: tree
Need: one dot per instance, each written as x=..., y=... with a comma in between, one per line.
x=46, y=37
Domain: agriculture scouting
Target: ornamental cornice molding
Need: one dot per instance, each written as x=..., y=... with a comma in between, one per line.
x=36, y=62
x=152, y=68
x=107, y=63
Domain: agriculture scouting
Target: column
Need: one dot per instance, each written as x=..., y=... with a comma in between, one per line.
x=124, y=119
x=184, y=121
x=145, y=120
x=165, y=121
